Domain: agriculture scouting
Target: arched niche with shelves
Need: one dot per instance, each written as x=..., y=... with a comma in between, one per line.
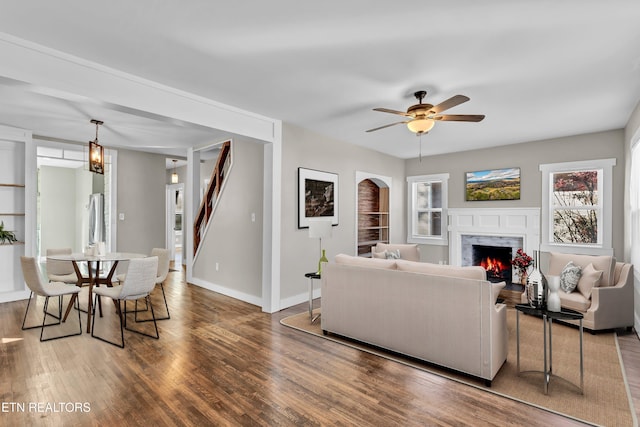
x=372, y=211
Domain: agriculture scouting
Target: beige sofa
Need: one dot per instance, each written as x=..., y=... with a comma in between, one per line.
x=610, y=304
x=437, y=313
x=408, y=252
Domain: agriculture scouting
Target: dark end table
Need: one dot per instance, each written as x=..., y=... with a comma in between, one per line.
x=312, y=277
x=547, y=321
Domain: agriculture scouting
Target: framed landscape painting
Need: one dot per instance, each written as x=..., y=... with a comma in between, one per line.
x=493, y=184
x=317, y=196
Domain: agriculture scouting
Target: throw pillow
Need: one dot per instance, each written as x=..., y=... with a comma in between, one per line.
x=589, y=279
x=380, y=255
x=569, y=277
x=392, y=254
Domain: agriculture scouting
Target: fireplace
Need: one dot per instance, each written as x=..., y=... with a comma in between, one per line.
x=496, y=260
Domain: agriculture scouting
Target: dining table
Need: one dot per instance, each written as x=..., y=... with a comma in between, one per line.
x=93, y=277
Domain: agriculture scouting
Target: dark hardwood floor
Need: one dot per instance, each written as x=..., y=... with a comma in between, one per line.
x=220, y=361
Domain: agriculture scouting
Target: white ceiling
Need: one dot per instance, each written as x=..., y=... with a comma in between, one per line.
x=536, y=69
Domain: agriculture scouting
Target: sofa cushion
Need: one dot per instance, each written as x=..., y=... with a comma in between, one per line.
x=407, y=251
x=589, y=279
x=604, y=263
x=569, y=277
x=387, y=254
x=389, y=264
x=475, y=272
x=574, y=301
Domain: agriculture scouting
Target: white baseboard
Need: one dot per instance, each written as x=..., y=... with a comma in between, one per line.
x=298, y=299
x=13, y=296
x=251, y=299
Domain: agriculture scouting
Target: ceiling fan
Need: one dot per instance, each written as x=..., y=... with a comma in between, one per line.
x=421, y=117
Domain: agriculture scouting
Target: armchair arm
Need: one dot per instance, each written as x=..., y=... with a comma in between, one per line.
x=612, y=306
x=499, y=338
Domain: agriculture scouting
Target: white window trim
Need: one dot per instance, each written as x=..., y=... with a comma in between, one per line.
x=442, y=240
x=606, y=247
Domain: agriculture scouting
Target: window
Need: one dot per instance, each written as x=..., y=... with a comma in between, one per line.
x=576, y=206
x=427, y=198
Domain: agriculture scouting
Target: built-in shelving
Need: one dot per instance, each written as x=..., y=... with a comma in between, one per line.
x=12, y=212
x=373, y=216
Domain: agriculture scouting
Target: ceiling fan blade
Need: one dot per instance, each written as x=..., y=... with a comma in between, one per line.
x=386, y=126
x=450, y=103
x=386, y=110
x=460, y=117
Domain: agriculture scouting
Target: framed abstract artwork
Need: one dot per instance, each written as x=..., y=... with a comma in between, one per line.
x=317, y=196
x=493, y=184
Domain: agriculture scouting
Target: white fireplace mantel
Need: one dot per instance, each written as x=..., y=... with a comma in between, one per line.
x=505, y=222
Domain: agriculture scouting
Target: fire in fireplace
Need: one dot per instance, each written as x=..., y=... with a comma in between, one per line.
x=496, y=260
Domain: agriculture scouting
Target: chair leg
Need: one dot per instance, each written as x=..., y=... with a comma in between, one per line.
x=27, y=311
x=146, y=308
x=45, y=313
x=44, y=320
x=157, y=335
x=165, y=303
x=93, y=323
x=168, y=316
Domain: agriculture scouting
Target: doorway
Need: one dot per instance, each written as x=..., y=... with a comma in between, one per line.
x=175, y=222
x=64, y=199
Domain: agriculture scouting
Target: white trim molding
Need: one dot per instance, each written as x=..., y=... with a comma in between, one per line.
x=412, y=237
x=503, y=222
x=605, y=190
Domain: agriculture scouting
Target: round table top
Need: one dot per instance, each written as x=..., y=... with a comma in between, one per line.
x=563, y=314
x=109, y=256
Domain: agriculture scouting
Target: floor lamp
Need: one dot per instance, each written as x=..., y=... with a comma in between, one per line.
x=319, y=228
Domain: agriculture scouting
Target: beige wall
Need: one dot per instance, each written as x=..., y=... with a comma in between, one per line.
x=631, y=136
x=58, y=208
x=300, y=254
x=528, y=158
x=141, y=198
x=234, y=239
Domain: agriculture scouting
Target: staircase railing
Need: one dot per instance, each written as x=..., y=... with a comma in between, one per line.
x=211, y=195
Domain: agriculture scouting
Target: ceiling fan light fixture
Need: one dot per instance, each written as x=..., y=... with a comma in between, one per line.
x=421, y=125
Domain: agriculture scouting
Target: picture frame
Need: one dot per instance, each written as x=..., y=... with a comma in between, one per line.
x=317, y=196
x=492, y=184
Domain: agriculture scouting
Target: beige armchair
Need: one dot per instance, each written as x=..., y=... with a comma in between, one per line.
x=407, y=251
x=610, y=304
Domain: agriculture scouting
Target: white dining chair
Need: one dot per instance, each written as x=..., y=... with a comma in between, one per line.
x=39, y=287
x=138, y=283
x=60, y=271
x=164, y=262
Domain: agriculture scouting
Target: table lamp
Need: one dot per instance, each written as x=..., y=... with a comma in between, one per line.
x=319, y=228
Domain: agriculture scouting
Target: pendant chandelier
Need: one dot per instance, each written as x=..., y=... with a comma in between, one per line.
x=96, y=152
x=174, y=176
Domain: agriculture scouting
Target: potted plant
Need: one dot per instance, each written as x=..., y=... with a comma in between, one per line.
x=6, y=236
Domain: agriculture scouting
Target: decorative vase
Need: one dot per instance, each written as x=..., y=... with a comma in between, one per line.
x=523, y=278
x=323, y=258
x=536, y=285
x=553, y=300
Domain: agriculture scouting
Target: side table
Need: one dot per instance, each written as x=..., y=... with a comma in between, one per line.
x=312, y=277
x=547, y=322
